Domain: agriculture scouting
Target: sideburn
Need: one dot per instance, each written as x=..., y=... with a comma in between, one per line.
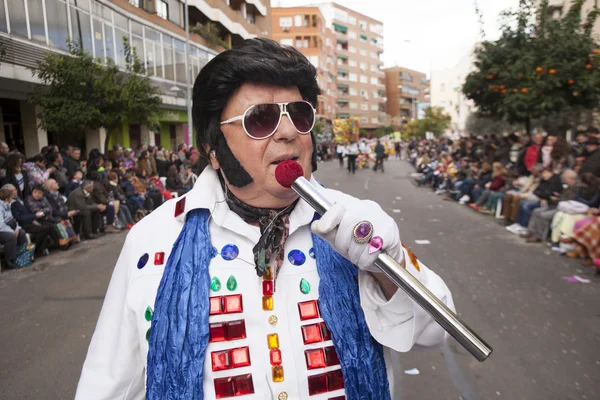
x=231, y=167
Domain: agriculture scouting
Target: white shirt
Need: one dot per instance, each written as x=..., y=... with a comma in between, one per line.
x=352, y=149
x=115, y=366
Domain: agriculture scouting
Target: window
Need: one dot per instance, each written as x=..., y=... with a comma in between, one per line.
x=374, y=107
x=364, y=106
x=153, y=56
x=363, y=66
x=374, y=68
x=374, y=120
x=351, y=20
x=80, y=20
x=353, y=77
x=58, y=31
x=363, y=120
x=374, y=81
x=36, y=21
x=174, y=9
x=364, y=79
x=162, y=9
x=168, y=57
x=353, y=105
x=362, y=24
x=352, y=34
x=340, y=14
x=298, y=42
x=314, y=60
x=180, y=70
x=352, y=49
x=363, y=52
x=374, y=55
x=353, y=92
x=364, y=93
x=298, y=20
x=352, y=63
x=287, y=42
x=285, y=22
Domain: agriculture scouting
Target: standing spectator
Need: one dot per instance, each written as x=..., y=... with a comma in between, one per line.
x=15, y=175
x=145, y=164
x=11, y=234
x=152, y=158
x=352, y=155
x=115, y=155
x=532, y=155
x=60, y=173
x=30, y=222
x=89, y=220
x=174, y=183
x=379, y=156
x=75, y=183
x=36, y=171
x=176, y=161
x=162, y=165
x=71, y=161
x=340, y=150
x=592, y=160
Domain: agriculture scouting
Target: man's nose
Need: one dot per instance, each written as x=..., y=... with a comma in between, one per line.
x=286, y=130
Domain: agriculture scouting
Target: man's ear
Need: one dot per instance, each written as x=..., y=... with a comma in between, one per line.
x=212, y=157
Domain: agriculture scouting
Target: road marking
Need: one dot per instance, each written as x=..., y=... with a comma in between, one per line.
x=367, y=184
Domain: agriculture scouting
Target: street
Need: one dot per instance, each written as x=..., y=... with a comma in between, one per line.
x=544, y=330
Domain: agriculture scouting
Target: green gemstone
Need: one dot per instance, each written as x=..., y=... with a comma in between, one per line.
x=304, y=286
x=231, y=283
x=148, y=334
x=215, y=284
x=148, y=314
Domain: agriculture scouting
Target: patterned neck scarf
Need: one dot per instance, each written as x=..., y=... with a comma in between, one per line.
x=274, y=230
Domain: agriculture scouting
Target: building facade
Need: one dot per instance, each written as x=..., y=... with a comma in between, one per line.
x=29, y=28
x=305, y=29
x=407, y=91
x=349, y=60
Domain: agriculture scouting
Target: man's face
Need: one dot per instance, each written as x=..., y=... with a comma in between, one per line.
x=3, y=148
x=260, y=157
x=591, y=147
x=546, y=175
x=78, y=175
x=76, y=154
x=51, y=185
x=538, y=138
x=59, y=160
x=37, y=194
x=581, y=139
x=89, y=188
x=569, y=179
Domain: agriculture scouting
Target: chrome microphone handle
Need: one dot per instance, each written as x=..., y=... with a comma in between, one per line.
x=407, y=282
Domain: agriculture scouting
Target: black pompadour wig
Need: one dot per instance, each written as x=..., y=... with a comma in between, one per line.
x=255, y=60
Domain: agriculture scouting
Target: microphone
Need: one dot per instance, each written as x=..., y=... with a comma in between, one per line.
x=290, y=174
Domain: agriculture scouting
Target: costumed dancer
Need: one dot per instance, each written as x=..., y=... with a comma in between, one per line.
x=236, y=289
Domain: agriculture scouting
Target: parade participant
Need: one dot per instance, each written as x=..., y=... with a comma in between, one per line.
x=236, y=289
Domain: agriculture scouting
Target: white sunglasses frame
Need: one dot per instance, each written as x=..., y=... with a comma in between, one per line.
x=282, y=111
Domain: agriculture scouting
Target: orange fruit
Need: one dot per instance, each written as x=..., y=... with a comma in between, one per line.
x=490, y=76
x=539, y=69
x=596, y=51
x=571, y=81
x=524, y=90
x=515, y=90
x=552, y=71
x=589, y=66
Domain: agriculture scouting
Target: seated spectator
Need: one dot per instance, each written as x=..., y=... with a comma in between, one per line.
x=143, y=186
x=127, y=160
x=75, y=183
x=134, y=199
x=174, y=183
x=100, y=196
x=11, y=234
x=524, y=188
x=88, y=221
x=188, y=178
x=482, y=195
x=70, y=156
x=39, y=232
x=587, y=240
x=60, y=173
x=111, y=185
x=156, y=182
x=36, y=171
x=60, y=211
x=550, y=186
x=37, y=203
x=592, y=159
x=145, y=164
x=15, y=176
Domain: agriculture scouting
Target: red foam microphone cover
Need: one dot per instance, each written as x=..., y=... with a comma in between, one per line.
x=287, y=172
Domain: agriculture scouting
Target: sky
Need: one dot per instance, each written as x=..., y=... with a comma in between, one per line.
x=426, y=35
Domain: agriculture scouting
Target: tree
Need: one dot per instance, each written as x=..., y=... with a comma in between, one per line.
x=435, y=121
x=538, y=66
x=488, y=126
x=383, y=131
x=211, y=33
x=78, y=93
x=318, y=129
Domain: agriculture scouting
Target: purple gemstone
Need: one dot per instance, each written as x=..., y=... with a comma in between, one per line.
x=363, y=230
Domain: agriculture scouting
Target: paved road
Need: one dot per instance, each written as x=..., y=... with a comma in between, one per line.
x=545, y=331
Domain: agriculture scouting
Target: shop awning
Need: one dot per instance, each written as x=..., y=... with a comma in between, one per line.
x=342, y=101
x=374, y=40
x=342, y=71
x=381, y=91
x=343, y=41
x=340, y=28
x=343, y=115
x=363, y=37
x=342, y=86
x=342, y=56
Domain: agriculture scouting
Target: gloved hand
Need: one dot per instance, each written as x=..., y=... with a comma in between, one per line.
x=337, y=225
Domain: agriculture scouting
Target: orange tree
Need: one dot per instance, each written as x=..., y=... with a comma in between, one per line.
x=539, y=66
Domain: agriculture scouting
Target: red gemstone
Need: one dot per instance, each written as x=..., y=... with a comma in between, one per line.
x=220, y=360
x=311, y=333
x=180, y=207
x=331, y=357
x=243, y=384
x=338, y=398
x=268, y=288
x=317, y=384
x=236, y=330
x=308, y=310
x=335, y=380
x=159, y=258
x=233, y=304
x=275, y=356
x=218, y=332
x=239, y=357
x=325, y=331
x=224, y=387
x=314, y=358
x=216, y=305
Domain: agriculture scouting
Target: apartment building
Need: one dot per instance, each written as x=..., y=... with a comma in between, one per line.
x=29, y=28
x=406, y=90
x=347, y=53
x=304, y=28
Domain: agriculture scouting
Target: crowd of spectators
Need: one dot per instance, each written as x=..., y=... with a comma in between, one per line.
x=542, y=187
x=56, y=199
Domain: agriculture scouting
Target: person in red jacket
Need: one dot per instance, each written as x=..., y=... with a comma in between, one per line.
x=533, y=151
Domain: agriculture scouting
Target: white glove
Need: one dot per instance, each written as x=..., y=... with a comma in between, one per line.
x=337, y=225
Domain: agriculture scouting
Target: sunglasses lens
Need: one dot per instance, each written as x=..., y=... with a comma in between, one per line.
x=260, y=121
x=302, y=115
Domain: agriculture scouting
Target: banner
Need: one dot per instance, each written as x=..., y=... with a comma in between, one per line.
x=346, y=130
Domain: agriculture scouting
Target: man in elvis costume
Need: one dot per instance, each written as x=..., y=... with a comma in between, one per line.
x=237, y=289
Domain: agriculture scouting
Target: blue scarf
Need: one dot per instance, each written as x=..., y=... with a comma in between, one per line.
x=180, y=330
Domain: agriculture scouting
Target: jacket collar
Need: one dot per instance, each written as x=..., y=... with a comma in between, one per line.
x=208, y=194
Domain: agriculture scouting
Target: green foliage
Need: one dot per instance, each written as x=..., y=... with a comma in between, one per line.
x=211, y=33
x=488, y=126
x=2, y=53
x=435, y=121
x=318, y=128
x=78, y=93
x=383, y=131
x=538, y=66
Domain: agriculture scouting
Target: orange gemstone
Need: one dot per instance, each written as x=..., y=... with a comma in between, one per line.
x=267, y=303
x=277, y=371
x=273, y=341
x=268, y=276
